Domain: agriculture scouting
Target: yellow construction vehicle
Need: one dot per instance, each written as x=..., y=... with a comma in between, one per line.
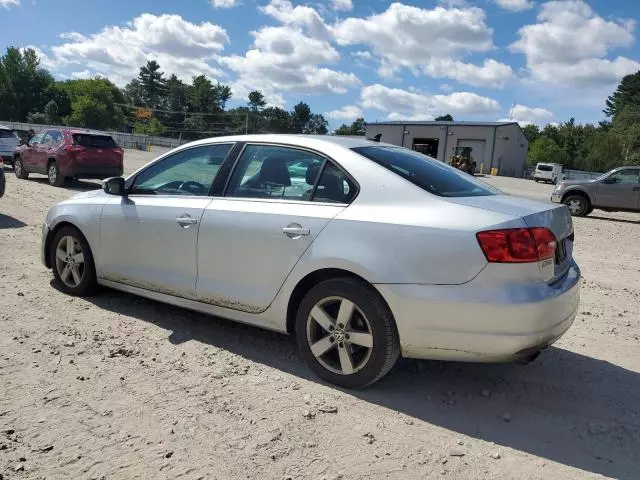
x=462, y=160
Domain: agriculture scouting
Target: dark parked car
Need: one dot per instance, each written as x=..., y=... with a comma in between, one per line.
x=617, y=190
x=62, y=154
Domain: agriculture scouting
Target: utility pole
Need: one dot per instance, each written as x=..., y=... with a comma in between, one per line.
x=246, y=124
x=184, y=109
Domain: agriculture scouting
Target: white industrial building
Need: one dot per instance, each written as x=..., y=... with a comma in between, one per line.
x=500, y=147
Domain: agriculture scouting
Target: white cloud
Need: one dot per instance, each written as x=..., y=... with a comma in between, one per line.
x=283, y=59
x=397, y=116
x=445, y=87
x=9, y=3
x=515, y=5
x=413, y=104
x=362, y=54
x=177, y=45
x=224, y=3
x=300, y=16
x=428, y=41
x=343, y=5
x=526, y=115
x=491, y=73
x=347, y=112
x=570, y=43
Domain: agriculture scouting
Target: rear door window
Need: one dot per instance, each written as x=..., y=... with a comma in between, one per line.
x=431, y=175
x=94, y=141
x=7, y=134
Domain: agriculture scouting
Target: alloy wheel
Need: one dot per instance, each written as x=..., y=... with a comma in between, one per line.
x=70, y=261
x=339, y=335
x=53, y=173
x=575, y=205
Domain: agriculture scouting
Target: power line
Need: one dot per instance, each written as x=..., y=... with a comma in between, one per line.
x=182, y=112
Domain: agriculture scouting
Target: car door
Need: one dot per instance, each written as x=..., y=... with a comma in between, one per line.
x=278, y=199
x=148, y=238
x=620, y=190
x=47, y=149
x=29, y=154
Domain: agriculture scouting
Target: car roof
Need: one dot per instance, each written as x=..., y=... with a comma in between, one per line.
x=295, y=140
x=4, y=127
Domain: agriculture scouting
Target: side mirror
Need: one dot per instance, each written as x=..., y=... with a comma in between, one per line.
x=114, y=186
x=21, y=142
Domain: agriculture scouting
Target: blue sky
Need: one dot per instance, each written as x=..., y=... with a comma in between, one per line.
x=530, y=60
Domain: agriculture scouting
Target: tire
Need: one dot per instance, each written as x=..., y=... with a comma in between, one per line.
x=18, y=169
x=578, y=205
x=378, y=346
x=82, y=284
x=53, y=174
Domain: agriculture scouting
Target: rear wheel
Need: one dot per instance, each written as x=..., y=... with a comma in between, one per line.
x=346, y=333
x=18, y=169
x=55, y=177
x=72, y=262
x=578, y=205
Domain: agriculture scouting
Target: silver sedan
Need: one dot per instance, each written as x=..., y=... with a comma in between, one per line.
x=364, y=251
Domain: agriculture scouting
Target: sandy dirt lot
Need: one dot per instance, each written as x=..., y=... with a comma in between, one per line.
x=117, y=387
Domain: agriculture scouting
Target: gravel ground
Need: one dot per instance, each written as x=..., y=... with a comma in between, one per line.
x=119, y=387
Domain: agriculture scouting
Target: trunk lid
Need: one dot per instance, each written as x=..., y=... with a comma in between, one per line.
x=555, y=217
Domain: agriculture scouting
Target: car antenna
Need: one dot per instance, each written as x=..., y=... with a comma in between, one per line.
x=376, y=138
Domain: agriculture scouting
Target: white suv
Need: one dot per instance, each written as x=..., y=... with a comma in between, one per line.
x=548, y=172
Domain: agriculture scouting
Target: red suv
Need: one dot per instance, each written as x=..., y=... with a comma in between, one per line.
x=62, y=154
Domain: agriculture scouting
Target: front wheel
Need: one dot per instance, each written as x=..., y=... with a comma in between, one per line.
x=18, y=169
x=72, y=262
x=346, y=333
x=578, y=205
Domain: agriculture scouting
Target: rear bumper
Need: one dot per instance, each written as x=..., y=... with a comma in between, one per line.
x=475, y=322
x=91, y=171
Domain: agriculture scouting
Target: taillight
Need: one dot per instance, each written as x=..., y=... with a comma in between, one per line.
x=517, y=245
x=74, y=148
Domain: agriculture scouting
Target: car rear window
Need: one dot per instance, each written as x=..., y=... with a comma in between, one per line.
x=426, y=172
x=7, y=134
x=94, y=141
x=545, y=168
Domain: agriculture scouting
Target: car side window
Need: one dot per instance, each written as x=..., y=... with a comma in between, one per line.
x=334, y=186
x=36, y=139
x=625, y=177
x=187, y=172
x=275, y=172
x=52, y=137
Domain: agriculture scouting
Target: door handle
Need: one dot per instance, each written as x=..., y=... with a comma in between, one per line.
x=294, y=230
x=186, y=220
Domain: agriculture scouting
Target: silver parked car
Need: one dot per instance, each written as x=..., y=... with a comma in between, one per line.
x=364, y=251
x=617, y=190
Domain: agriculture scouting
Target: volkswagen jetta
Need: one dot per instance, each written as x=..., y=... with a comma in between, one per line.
x=365, y=251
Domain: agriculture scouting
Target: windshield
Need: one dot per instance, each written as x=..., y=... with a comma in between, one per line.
x=8, y=134
x=426, y=172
